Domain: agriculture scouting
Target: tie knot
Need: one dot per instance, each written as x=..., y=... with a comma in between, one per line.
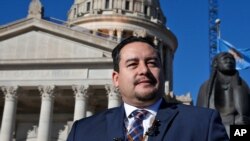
x=139, y=114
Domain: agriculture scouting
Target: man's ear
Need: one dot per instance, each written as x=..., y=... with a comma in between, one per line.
x=115, y=77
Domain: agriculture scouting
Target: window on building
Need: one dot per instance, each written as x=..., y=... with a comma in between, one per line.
x=74, y=11
x=127, y=3
x=146, y=10
x=158, y=15
x=88, y=6
x=107, y=4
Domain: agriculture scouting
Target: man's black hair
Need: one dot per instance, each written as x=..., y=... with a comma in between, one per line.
x=118, y=48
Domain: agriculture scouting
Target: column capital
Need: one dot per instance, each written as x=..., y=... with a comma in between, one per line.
x=120, y=29
x=114, y=97
x=81, y=91
x=111, y=32
x=111, y=29
x=10, y=92
x=112, y=91
x=47, y=91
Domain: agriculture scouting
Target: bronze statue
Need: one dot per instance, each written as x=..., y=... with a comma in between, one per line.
x=226, y=91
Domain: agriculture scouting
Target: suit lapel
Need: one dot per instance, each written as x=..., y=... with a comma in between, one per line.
x=115, y=124
x=165, y=115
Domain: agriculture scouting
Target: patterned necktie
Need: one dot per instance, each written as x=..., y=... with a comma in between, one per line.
x=136, y=131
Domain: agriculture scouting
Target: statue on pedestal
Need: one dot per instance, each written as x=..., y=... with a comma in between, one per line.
x=226, y=92
x=35, y=9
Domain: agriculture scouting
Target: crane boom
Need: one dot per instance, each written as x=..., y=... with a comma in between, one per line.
x=213, y=15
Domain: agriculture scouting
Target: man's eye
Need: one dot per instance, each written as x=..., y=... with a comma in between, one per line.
x=152, y=63
x=131, y=64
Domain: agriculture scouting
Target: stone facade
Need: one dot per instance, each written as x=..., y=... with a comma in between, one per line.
x=53, y=74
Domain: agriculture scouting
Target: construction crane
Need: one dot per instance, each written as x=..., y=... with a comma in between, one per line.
x=213, y=31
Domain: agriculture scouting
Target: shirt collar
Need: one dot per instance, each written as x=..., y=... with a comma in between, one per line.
x=152, y=108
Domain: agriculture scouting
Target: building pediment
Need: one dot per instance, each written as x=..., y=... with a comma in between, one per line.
x=40, y=41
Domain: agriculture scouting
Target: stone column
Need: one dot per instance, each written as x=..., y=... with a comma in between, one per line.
x=9, y=113
x=111, y=34
x=131, y=6
x=81, y=100
x=94, y=32
x=119, y=35
x=167, y=87
x=111, y=4
x=114, y=98
x=169, y=68
x=156, y=41
x=123, y=4
x=115, y=4
x=137, y=7
x=159, y=44
x=142, y=7
x=103, y=4
x=45, y=120
x=149, y=11
x=119, y=4
x=94, y=4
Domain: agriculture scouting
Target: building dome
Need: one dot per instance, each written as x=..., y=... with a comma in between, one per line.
x=145, y=9
x=118, y=19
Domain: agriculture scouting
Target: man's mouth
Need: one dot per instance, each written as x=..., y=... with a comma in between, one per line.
x=143, y=82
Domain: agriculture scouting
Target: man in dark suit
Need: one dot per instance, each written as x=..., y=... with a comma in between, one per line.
x=144, y=115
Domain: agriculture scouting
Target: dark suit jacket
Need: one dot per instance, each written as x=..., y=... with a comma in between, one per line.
x=177, y=123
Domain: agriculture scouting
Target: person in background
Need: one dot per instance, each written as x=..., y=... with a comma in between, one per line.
x=144, y=114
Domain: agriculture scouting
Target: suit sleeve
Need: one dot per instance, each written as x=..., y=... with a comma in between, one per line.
x=71, y=136
x=217, y=131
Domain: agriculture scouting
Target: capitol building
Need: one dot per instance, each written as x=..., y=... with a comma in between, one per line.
x=53, y=73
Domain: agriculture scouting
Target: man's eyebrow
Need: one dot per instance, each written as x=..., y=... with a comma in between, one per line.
x=152, y=58
x=131, y=59
x=136, y=59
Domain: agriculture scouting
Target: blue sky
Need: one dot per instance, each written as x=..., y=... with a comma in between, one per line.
x=187, y=19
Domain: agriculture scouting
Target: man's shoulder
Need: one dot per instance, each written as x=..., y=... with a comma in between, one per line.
x=186, y=109
x=100, y=116
x=194, y=109
x=94, y=127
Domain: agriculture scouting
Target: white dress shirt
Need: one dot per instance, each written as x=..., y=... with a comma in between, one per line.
x=146, y=122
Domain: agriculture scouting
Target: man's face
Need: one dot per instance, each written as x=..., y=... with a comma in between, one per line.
x=226, y=63
x=140, y=78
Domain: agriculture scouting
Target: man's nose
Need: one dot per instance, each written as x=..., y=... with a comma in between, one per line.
x=143, y=68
